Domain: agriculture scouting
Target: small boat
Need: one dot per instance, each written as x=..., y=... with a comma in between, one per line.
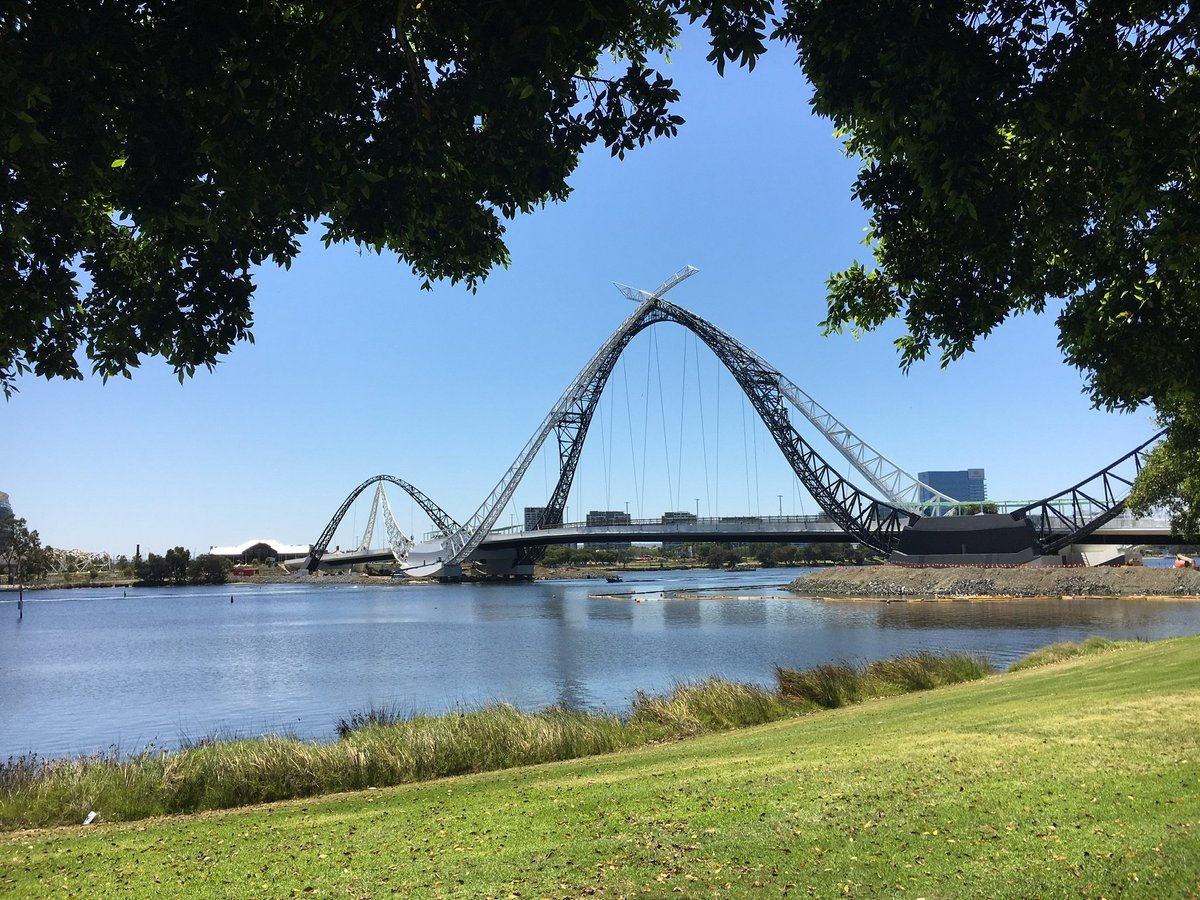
x=612, y=579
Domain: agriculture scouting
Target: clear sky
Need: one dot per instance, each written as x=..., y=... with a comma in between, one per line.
x=356, y=372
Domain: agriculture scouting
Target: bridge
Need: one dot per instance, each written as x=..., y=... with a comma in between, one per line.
x=896, y=515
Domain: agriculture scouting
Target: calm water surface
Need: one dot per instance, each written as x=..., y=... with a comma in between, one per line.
x=90, y=669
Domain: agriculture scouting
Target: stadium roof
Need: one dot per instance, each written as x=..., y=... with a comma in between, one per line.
x=280, y=548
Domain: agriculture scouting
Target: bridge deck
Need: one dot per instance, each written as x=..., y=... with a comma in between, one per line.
x=734, y=529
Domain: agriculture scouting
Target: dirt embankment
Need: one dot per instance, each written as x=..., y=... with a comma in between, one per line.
x=902, y=582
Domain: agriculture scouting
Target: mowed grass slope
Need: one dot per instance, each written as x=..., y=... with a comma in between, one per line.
x=1075, y=779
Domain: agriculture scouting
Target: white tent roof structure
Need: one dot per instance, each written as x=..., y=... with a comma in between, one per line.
x=280, y=548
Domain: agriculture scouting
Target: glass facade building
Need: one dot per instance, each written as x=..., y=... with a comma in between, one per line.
x=964, y=485
x=6, y=510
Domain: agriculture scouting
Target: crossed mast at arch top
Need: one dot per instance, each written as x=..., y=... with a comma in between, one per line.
x=870, y=520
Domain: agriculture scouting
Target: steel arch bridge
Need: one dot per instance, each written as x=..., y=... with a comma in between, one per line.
x=865, y=518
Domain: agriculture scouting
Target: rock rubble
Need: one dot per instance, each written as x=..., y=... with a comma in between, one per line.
x=889, y=581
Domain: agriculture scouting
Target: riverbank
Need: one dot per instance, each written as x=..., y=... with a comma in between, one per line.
x=383, y=747
x=999, y=788
x=900, y=582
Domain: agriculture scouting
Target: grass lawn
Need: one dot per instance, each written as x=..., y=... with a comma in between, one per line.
x=1076, y=779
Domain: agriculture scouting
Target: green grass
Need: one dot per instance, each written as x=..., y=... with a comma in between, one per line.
x=1080, y=779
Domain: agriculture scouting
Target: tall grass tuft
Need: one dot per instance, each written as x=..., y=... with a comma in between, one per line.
x=832, y=686
x=924, y=671
x=709, y=705
x=37, y=792
x=372, y=715
x=1067, y=650
x=496, y=737
x=828, y=686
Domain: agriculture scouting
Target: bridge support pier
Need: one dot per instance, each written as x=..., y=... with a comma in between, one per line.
x=984, y=540
x=450, y=575
x=1088, y=555
x=500, y=562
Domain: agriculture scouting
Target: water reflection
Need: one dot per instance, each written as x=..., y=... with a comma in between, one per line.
x=86, y=669
x=681, y=613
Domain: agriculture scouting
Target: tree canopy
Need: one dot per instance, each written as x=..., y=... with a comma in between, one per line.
x=155, y=152
x=1019, y=156
x=22, y=552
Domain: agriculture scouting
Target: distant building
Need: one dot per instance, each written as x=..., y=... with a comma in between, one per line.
x=964, y=485
x=6, y=511
x=674, y=518
x=532, y=514
x=259, y=550
x=603, y=517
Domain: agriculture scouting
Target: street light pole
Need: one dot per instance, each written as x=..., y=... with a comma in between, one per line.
x=780, y=496
x=697, y=507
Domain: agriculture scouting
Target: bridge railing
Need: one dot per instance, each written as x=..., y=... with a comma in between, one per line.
x=684, y=524
x=800, y=523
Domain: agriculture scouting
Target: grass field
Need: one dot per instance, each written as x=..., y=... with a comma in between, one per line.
x=1080, y=778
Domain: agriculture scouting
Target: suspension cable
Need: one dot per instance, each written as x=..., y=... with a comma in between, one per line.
x=756, y=425
x=662, y=408
x=682, y=416
x=645, y=425
x=746, y=456
x=716, y=505
x=703, y=430
x=605, y=458
x=629, y=419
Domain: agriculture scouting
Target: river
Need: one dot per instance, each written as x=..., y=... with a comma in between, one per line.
x=90, y=670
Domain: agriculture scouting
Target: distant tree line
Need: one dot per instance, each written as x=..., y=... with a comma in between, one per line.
x=178, y=567
x=24, y=559
x=713, y=555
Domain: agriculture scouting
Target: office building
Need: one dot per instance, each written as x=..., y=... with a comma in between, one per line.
x=964, y=485
x=675, y=518
x=6, y=511
x=601, y=517
x=532, y=514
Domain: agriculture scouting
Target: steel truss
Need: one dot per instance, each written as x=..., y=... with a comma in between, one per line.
x=370, y=529
x=1084, y=507
x=868, y=520
x=897, y=485
x=441, y=519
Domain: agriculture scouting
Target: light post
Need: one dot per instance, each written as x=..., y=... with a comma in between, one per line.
x=780, y=496
x=697, y=507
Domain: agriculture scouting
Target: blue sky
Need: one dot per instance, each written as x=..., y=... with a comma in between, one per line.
x=355, y=371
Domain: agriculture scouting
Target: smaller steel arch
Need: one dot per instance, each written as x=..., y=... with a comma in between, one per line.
x=441, y=519
x=1073, y=508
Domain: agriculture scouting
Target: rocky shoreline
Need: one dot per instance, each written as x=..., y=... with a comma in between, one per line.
x=901, y=582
